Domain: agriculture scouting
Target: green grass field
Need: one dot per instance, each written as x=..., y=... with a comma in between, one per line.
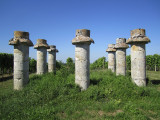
x=57, y=97
x=152, y=75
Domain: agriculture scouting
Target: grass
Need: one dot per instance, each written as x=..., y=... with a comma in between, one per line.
x=152, y=75
x=57, y=97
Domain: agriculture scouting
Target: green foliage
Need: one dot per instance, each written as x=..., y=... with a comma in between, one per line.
x=6, y=63
x=99, y=63
x=152, y=62
x=70, y=65
x=128, y=62
x=59, y=65
x=66, y=68
x=69, y=61
x=32, y=65
x=52, y=96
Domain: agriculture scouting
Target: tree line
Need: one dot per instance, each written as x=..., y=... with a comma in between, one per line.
x=99, y=64
x=152, y=62
x=6, y=63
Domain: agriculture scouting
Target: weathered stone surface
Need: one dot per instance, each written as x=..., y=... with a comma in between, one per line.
x=41, y=47
x=20, y=37
x=52, y=58
x=121, y=47
x=112, y=61
x=82, y=63
x=82, y=57
x=121, y=43
x=21, y=59
x=138, y=39
x=41, y=43
x=137, y=32
x=111, y=48
x=138, y=65
x=138, y=56
x=52, y=48
x=111, y=57
x=82, y=36
x=21, y=66
x=138, y=35
x=121, y=62
x=41, y=60
x=21, y=34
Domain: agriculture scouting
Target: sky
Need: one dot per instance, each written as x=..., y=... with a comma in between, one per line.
x=57, y=21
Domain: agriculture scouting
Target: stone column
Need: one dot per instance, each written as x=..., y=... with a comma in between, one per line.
x=137, y=41
x=41, y=47
x=121, y=47
x=82, y=57
x=52, y=58
x=21, y=44
x=111, y=57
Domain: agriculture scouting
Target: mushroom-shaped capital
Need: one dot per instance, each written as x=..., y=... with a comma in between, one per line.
x=20, y=37
x=138, y=36
x=137, y=32
x=21, y=34
x=111, y=48
x=82, y=36
x=52, y=48
x=121, y=43
x=41, y=43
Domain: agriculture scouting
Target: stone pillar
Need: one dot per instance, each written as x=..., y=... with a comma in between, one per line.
x=82, y=57
x=138, y=56
x=41, y=47
x=121, y=47
x=111, y=57
x=21, y=44
x=52, y=58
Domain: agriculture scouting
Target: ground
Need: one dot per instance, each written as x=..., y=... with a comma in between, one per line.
x=55, y=97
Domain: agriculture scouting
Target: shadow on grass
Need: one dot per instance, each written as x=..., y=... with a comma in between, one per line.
x=155, y=82
x=35, y=77
x=94, y=81
x=6, y=78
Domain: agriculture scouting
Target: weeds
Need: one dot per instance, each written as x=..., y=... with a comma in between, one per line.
x=52, y=96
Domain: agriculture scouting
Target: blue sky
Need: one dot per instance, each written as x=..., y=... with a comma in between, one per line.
x=57, y=20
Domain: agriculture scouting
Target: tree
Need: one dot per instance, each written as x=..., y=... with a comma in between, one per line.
x=128, y=62
x=99, y=63
x=69, y=61
x=59, y=64
x=32, y=65
x=149, y=62
x=155, y=61
x=70, y=65
x=6, y=63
